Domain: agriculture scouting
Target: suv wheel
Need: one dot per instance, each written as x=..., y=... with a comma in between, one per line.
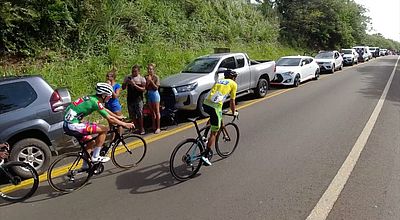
x=32, y=151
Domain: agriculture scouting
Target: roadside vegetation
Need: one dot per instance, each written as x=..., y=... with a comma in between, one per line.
x=73, y=43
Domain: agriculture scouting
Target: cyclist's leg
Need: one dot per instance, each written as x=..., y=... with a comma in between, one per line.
x=215, y=121
x=101, y=130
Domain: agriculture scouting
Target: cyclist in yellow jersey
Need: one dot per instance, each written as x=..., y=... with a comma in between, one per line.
x=212, y=105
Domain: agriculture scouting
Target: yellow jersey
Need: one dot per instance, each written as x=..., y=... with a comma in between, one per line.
x=220, y=92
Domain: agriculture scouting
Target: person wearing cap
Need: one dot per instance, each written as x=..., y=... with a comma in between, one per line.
x=212, y=105
x=84, y=106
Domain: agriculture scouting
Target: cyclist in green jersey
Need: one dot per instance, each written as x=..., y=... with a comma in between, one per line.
x=84, y=106
x=212, y=105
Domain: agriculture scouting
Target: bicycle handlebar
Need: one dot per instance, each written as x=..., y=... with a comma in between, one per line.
x=235, y=117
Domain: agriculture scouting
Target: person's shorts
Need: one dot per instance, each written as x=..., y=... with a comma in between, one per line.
x=135, y=110
x=215, y=116
x=82, y=131
x=153, y=96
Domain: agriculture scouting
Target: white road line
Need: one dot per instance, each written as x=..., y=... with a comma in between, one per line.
x=328, y=199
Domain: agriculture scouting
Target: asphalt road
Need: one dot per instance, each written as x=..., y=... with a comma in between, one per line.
x=293, y=145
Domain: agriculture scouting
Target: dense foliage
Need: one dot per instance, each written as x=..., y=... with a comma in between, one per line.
x=327, y=24
x=73, y=43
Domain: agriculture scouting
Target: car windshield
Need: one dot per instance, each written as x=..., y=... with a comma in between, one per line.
x=346, y=51
x=288, y=62
x=324, y=55
x=201, y=65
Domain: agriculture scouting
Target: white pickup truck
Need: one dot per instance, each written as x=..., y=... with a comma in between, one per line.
x=188, y=89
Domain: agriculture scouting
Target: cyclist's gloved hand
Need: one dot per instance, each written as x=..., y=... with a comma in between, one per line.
x=129, y=125
x=236, y=113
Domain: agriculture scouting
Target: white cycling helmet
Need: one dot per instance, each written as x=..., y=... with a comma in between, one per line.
x=104, y=88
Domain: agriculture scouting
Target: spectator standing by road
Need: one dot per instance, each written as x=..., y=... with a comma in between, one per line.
x=113, y=104
x=135, y=84
x=153, y=96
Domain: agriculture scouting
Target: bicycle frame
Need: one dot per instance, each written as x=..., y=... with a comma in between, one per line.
x=94, y=166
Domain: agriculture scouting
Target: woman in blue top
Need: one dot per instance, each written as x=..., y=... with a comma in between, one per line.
x=113, y=104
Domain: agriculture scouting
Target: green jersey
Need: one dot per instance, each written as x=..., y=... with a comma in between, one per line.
x=82, y=107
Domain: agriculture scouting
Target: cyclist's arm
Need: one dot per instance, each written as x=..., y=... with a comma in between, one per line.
x=110, y=118
x=114, y=120
x=232, y=104
x=113, y=114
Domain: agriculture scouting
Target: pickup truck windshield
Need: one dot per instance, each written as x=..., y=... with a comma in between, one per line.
x=288, y=62
x=201, y=65
x=325, y=55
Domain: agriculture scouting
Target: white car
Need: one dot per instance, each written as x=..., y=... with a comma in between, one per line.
x=362, y=52
x=350, y=56
x=329, y=61
x=292, y=70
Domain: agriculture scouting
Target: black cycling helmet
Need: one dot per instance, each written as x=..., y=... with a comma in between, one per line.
x=230, y=73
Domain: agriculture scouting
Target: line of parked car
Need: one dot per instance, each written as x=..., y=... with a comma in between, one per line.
x=31, y=112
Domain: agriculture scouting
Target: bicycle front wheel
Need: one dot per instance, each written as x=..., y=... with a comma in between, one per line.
x=185, y=160
x=69, y=172
x=227, y=140
x=129, y=151
x=14, y=188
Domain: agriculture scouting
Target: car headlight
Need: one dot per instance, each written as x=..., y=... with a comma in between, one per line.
x=186, y=88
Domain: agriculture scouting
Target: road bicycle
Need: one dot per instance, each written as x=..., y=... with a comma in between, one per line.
x=73, y=170
x=185, y=160
x=14, y=188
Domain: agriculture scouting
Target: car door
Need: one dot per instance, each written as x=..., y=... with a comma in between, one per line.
x=337, y=59
x=311, y=68
x=242, y=70
x=304, y=68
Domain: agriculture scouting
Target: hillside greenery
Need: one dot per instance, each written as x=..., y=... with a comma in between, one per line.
x=73, y=43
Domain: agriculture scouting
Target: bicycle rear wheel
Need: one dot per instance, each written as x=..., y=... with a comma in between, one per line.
x=129, y=151
x=227, y=140
x=185, y=160
x=68, y=173
x=14, y=188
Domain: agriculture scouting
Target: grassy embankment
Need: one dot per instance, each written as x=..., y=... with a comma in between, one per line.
x=169, y=33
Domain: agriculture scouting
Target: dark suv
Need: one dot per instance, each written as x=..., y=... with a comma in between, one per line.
x=31, y=118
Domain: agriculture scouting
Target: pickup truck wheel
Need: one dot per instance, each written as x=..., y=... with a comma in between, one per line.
x=262, y=88
x=32, y=151
x=200, y=109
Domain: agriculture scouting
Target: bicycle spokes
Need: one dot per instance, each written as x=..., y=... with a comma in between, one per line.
x=185, y=159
